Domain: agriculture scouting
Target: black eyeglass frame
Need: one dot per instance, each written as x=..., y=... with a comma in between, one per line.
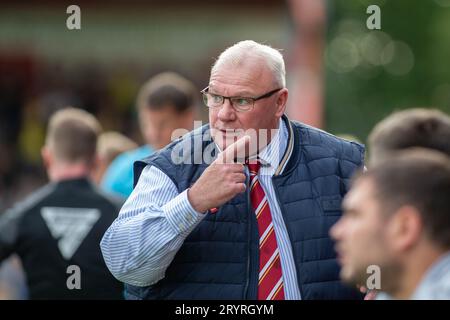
x=265, y=95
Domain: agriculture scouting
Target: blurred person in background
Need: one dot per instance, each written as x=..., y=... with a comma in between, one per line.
x=396, y=217
x=418, y=127
x=165, y=103
x=60, y=225
x=110, y=145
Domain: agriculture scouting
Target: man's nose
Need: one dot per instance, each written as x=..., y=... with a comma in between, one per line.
x=227, y=111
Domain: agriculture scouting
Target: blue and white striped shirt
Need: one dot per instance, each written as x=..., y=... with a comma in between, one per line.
x=156, y=219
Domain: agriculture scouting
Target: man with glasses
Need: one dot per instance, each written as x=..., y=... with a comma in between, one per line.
x=254, y=223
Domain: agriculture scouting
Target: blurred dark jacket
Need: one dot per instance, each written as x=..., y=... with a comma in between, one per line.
x=56, y=227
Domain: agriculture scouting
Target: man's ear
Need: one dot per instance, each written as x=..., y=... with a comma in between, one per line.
x=406, y=228
x=281, y=101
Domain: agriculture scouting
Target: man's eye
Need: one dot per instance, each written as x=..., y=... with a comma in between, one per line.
x=242, y=101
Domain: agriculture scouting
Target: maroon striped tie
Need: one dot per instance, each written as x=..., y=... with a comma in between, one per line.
x=270, y=286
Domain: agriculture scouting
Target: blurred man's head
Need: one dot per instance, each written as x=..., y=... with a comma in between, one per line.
x=71, y=142
x=110, y=145
x=424, y=128
x=245, y=71
x=166, y=103
x=396, y=216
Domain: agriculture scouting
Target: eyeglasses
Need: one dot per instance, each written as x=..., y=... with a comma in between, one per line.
x=239, y=103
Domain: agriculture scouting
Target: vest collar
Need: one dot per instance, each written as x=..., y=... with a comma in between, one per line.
x=289, y=152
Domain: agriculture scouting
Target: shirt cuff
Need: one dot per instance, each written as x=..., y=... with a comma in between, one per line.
x=181, y=215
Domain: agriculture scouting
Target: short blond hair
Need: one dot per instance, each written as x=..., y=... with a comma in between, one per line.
x=72, y=135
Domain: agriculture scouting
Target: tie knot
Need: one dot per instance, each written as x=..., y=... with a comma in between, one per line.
x=254, y=167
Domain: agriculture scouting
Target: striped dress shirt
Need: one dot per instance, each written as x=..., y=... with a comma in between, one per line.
x=156, y=219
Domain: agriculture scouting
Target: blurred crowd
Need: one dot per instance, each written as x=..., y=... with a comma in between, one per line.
x=77, y=154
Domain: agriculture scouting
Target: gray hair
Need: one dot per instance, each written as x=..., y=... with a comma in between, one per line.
x=241, y=51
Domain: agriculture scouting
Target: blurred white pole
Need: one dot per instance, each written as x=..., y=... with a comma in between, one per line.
x=305, y=66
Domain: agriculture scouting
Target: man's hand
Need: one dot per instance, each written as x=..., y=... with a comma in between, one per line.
x=222, y=180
